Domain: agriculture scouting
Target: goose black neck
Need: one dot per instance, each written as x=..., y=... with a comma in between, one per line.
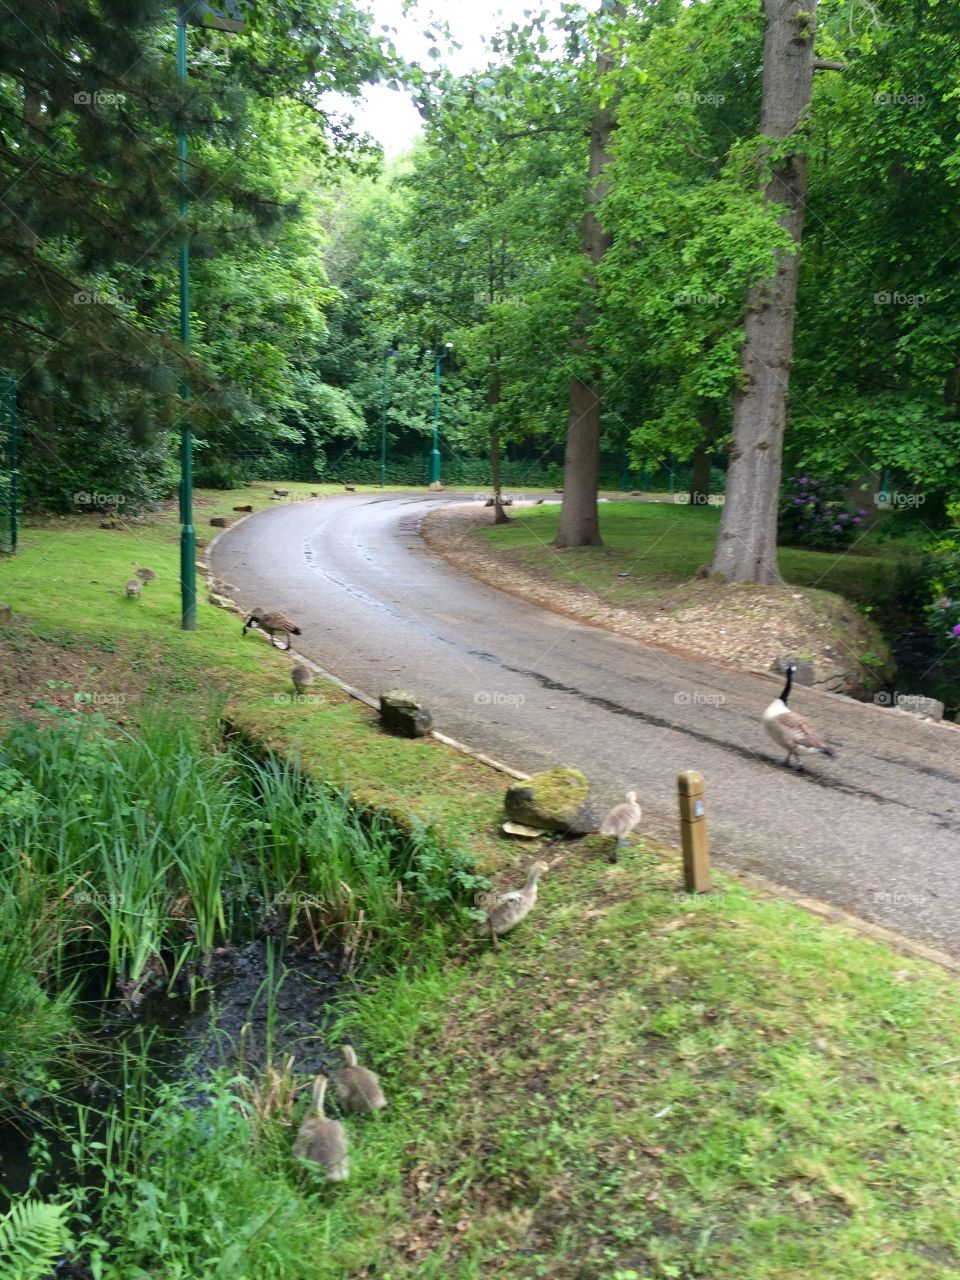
x=786, y=688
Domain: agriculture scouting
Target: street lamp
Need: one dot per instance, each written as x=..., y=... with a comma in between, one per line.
x=387, y=355
x=202, y=15
x=435, y=452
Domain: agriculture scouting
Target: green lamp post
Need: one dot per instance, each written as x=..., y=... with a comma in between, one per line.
x=388, y=354
x=435, y=451
x=230, y=19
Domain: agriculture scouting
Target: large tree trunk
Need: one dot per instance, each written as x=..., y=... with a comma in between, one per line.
x=579, y=523
x=747, y=542
x=579, y=519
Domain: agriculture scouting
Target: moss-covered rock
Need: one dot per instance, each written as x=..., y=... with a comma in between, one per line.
x=553, y=801
x=403, y=713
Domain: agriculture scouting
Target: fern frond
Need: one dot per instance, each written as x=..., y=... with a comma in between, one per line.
x=33, y=1235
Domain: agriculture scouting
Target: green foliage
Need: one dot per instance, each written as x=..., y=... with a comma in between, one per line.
x=941, y=614
x=875, y=383
x=32, y=1237
x=186, y=1191
x=120, y=831
x=90, y=106
x=39, y=1031
x=213, y=473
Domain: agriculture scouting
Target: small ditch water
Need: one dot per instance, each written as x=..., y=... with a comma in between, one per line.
x=265, y=1000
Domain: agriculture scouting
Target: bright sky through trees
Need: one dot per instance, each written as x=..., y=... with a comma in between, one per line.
x=389, y=115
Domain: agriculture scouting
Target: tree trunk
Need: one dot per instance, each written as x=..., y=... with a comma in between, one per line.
x=746, y=548
x=700, y=479
x=499, y=515
x=703, y=456
x=579, y=518
x=579, y=523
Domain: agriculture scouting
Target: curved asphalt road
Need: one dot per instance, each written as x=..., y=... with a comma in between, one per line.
x=876, y=831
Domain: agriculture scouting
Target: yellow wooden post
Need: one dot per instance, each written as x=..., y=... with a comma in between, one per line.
x=693, y=833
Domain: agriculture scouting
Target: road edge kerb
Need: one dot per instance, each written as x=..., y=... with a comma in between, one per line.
x=825, y=911
x=846, y=919
x=226, y=602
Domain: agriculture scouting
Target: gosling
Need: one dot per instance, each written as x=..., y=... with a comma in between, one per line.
x=321, y=1141
x=302, y=677
x=507, y=908
x=357, y=1087
x=133, y=588
x=620, y=821
x=144, y=574
x=273, y=623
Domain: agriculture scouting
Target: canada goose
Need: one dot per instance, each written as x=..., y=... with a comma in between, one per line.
x=274, y=624
x=620, y=821
x=144, y=574
x=508, y=907
x=790, y=731
x=301, y=676
x=350, y=488
x=323, y=1141
x=132, y=587
x=357, y=1087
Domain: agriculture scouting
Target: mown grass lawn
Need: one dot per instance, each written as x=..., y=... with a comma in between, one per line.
x=644, y=1085
x=662, y=543
x=636, y=1085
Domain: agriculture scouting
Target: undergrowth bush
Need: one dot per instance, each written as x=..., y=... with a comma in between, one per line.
x=815, y=513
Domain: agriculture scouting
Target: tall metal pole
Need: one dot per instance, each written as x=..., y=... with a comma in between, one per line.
x=188, y=536
x=435, y=452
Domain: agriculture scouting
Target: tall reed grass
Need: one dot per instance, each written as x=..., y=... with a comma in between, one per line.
x=125, y=858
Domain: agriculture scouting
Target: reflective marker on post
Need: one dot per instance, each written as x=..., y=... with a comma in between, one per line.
x=693, y=833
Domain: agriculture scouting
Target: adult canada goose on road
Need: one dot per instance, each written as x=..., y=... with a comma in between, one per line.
x=791, y=731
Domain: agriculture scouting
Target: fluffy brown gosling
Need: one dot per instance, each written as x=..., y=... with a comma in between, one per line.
x=507, y=908
x=273, y=623
x=144, y=574
x=302, y=677
x=357, y=1087
x=620, y=821
x=133, y=588
x=321, y=1141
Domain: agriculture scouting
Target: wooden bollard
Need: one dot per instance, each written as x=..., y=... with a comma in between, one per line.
x=693, y=833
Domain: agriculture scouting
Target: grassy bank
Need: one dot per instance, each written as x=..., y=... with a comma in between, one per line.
x=663, y=544
x=636, y=1085
x=77, y=642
